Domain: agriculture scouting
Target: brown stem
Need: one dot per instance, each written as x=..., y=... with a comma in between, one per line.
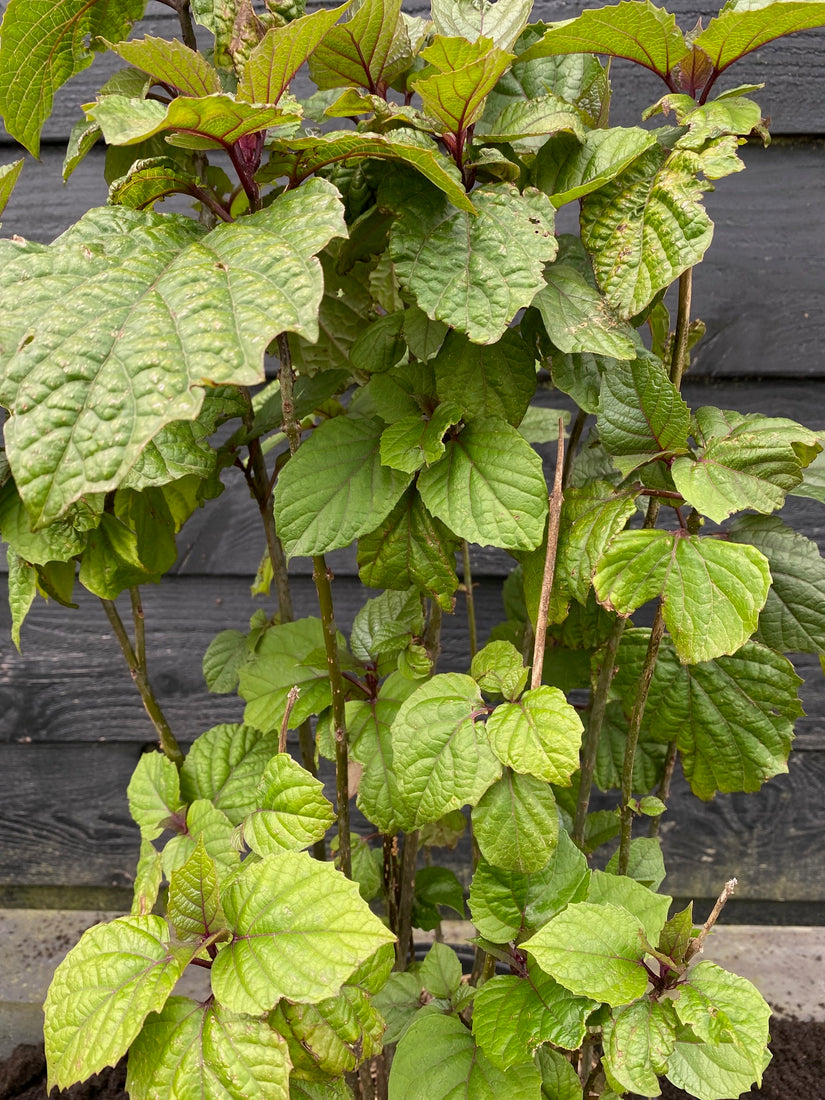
x=681, y=336
x=553, y=523
x=166, y=739
x=391, y=880
x=291, y=700
x=572, y=445
x=187, y=27
x=432, y=635
x=140, y=626
x=468, y=591
x=406, y=896
x=664, y=787
x=637, y=714
x=698, y=943
x=382, y=1080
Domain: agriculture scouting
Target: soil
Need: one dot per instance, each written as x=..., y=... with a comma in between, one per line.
x=797, y=1071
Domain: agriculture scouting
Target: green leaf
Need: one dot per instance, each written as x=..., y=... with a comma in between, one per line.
x=441, y=756
x=218, y=16
x=638, y=1042
x=190, y=306
x=793, y=618
x=359, y=51
x=83, y=137
x=226, y=654
x=473, y=273
x=454, y=94
x=559, y=1080
x=634, y=29
x=285, y=913
x=591, y=518
x=648, y=761
x=335, y=1089
x=742, y=462
x=204, y=1050
x=516, y=823
x=496, y=379
x=489, y=488
x=738, y=30
x=454, y=1066
x=418, y=440
x=527, y=123
x=593, y=950
x=578, y=318
x=103, y=991
x=622, y=891
x=282, y=660
x=410, y=547
x=437, y=886
x=148, y=878
x=170, y=62
x=505, y=904
x=440, y=972
x=540, y=735
x=499, y=669
x=292, y=810
x=501, y=22
x=281, y=52
x=645, y=227
x=641, y=413
x=335, y=488
x=568, y=169
x=193, y=908
x=225, y=765
x=645, y=864
x=44, y=43
x=206, y=823
x=713, y=591
x=380, y=346
x=150, y=181
x=9, y=174
x=385, y=623
x=154, y=794
x=711, y=1072
x=676, y=934
x=512, y=1016
x=22, y=582
x=732, y=717
x=812, y=485
x=399, y=1002
x=332, y=1037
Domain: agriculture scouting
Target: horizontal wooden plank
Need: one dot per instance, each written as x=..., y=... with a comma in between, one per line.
x=65, y=823
x=792, y=70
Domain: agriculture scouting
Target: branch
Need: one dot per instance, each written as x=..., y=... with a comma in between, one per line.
x=664, y=787
x=471, y=606
x=291, y=700
x=553, y=524
x=681, y=336
x=696, y=945
x=406, y=896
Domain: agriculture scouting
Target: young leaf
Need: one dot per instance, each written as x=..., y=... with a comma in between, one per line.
x=454, y=93
x=577, y=317
x=732, y=717
x=148, y=877
x=516, y=823
x=223, y=659
x=646, y=863
x=441, y=756
x=593, y=950
x=43, y=45
x=487, y=379
x=438, y=886
x=568, y=169
x=736, y=31
x=473, y=273
x=559, y=1080
x=634, y=29
x=454, y=1065
x=591, y=518
x=526, y=124
x=416, y=440
x=384, y=624
x=103, y=991
x=332, y=1037
x=22, y=582
x=713, y=591
x=209, y=825
x=641, y=414
x=638, y=1042
x=440, y=972
x=501, y=22
x=489, y=488
x=170, y=62
x=284, y=913
x=140, y=271
x=793, y=618
x=152, y=180
x=650, y=908
x=292, y=810
x=335, y=488
x=154, y=794
x=539, y=735
x=358, y=51
x=194, y=909
x=193, y=1049
x=499, y=669
x=9, y=174
x=225, y=765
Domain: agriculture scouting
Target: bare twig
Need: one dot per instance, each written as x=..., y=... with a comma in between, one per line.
x=291, y=700
x=553, y=523
x=406, y=896
x=696, y=945
x=468, y=592
x=664, y=786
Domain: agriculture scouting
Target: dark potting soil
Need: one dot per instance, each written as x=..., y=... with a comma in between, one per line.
x=797, y=1071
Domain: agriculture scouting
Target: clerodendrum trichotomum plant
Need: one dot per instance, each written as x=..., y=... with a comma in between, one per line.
x=400, y=264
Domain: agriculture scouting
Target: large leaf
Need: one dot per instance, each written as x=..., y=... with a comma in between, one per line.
x=170, y=62
x=359, y=51
x=634, y=29
x=744, y=27
x=621, y=890
x=593, y=950
x=577, y=317
x=441, y=755
x=44, y=43
x=193, y=1051
x=335, y=488
x=516, y=823
x=299, y=930
x=501, y=22
x=742, y=462
x=713, y=591
x=645, y=227
x=332, y=1037
x=103, y=991
x=540, y=735
x=459, y=78
x=567, y=169
x=145, y=309
x=489, y=488
x=638, y=1042
x=793, y=618
x=732, y=718
x=454, y=1066
x=473, y=273
x=225, y=765
x=487, y=379
x=292, y=810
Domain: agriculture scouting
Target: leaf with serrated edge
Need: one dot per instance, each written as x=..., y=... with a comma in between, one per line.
x=735, y=32
x=154, y=793
x=171, y=62
x=539, y=735
x=503, y=23
x=498, y=668
x=713, y=591
x=578, y=318
x=732, y=718
x=567, y=169
x=385, y=623
x=9, y=174
x=512, y=1016
x=440, y=971
x=441, y=754
x=621, y=890
x=299, y=930
x=335, y=488
x=103, y=991
x=559, y=1080
x=148, y=877
x=151, y=181
x=203, y=1051
x=516, y=823
x=43, y=45
x=225, y=765
x=193, y=907
x=638, y=1042
x=489, y=488
x=487, y=379
x=454, y=1066
x=591, y=517
x=144, y=309
x=455, y=96
x=206, y=823
x=357, y=52
x=593, y=950
x=292, y=810
x=472, y=273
